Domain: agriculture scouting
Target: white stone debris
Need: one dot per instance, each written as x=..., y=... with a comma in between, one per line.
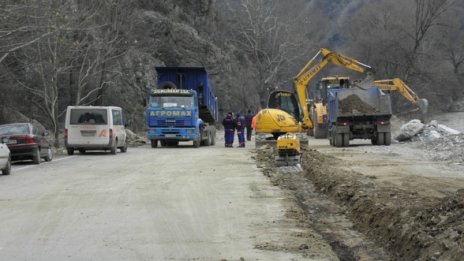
x=438, y=140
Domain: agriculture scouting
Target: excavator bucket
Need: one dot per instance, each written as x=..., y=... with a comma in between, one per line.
x=365, y=83
x=423, y=105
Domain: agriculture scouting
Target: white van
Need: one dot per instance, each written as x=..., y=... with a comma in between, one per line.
x=94, y=128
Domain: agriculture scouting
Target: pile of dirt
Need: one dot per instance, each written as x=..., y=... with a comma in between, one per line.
x=354, y=104
x=134, y=139
x=409, y=225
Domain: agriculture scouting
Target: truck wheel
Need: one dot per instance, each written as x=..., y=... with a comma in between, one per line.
x=81, y=151
x=339, y=140
x=387, y=138
x=163, y=143
x=380, y=138
x=154, y=143
x=346, y=139
x=70, y=151
x=207, y=142
x=36, y=157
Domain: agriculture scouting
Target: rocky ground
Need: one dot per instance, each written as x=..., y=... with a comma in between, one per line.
x=398, y=202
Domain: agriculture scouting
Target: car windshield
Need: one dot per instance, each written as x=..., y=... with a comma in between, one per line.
x=88, y=116
x=14, y=129
x=185, y=102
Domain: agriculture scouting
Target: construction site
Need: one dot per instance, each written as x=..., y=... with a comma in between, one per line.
x=232, y=130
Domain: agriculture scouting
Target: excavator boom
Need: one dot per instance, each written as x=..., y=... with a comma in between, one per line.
x=308, y=72
x=398, y=85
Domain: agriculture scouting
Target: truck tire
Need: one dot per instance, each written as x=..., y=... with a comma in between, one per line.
x=339, y=140
x=380, y=138
x=82, y=151
x=207, y=142
x=154, y=143
x=346, y=139
x=70, y=151
x=387, y=140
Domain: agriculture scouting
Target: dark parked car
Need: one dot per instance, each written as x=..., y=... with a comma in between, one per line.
x=26, y=142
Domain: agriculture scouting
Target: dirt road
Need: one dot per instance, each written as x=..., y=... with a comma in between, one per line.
x=363, y=202
x=210, y=203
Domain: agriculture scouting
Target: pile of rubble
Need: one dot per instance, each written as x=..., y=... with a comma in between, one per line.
x=415, y=130
x=134, y=139
x=441, y=142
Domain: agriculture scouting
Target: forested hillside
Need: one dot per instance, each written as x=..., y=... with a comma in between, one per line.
x=59, y=53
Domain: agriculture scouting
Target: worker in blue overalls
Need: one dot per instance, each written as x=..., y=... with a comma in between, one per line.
x=240, y=124
x=229, y=129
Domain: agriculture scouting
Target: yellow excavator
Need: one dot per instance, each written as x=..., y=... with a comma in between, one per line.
x=289, y=114
x=398, y=85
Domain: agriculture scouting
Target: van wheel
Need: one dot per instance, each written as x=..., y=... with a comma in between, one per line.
x=49, y=156
x=70, y=152
x=114, y=148
x=124, y=148
x=36, y=157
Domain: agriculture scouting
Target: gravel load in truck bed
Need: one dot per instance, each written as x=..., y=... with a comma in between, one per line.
x=354, y=104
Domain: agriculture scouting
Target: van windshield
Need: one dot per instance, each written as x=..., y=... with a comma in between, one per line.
x=186, y=102
x=88, y=116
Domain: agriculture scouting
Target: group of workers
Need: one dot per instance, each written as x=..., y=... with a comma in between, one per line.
x=239, y=123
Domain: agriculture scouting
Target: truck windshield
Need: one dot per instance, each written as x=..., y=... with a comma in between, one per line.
x=185, y=102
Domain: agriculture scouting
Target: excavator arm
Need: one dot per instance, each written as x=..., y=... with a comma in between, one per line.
x=398, y=85
x=308, y=72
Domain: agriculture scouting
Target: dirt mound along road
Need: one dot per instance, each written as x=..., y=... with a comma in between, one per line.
x=319, y=214
x=410, y=225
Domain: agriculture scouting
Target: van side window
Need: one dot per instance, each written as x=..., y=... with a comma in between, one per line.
x=117, y=117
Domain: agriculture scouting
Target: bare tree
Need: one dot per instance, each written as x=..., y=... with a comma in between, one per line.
x=272, y=40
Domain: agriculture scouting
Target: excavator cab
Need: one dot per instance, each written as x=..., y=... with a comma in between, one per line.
x=286, y=101
x=327, y=84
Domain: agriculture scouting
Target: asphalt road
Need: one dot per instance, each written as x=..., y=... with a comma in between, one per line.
x=210, y=203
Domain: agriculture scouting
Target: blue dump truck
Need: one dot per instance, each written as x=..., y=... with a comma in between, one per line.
x=182, y=108
x=355, y=113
